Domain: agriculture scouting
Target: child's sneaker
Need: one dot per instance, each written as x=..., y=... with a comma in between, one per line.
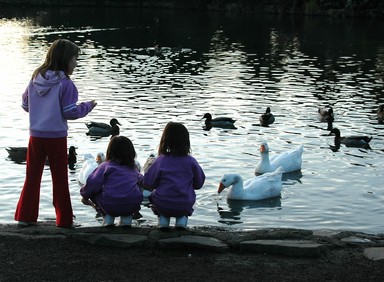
x=24, y=223
x=108, y=220
x=126, y=221
x=164, y=222
x=181, y=222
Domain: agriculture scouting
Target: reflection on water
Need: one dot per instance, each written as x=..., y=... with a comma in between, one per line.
x=146, y=68
x=231, y=214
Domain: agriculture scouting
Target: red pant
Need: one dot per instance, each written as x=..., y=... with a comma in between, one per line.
x=38, y=150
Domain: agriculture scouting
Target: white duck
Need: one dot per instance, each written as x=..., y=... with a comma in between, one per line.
x=260, y=187
x=289, y=161
x=89, y=165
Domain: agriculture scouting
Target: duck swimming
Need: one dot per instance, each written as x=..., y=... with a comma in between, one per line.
x=326, y=115
x=261, y=187
x=102, y=129
x=222, y=122
x=289, y=161
x=150, y=160
x=72, y=159
x=19, y=155
x=350, y=141
x=267, y=118
x=89, y=165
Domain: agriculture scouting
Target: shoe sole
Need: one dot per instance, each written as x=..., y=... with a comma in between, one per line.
x=25, y=224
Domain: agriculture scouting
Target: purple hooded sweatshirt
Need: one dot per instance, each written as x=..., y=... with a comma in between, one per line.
x=45, y=98
x=175, y=180
x=114, y=189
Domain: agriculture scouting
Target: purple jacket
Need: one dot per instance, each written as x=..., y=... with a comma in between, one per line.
x=51, y=101
x=118, y=184
x=175, y=180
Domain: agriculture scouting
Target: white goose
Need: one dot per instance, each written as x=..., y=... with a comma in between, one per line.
x=89, y=165
x=289, y=161
x=260, y=187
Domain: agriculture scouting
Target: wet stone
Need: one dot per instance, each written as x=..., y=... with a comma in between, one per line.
x=374, y=253
x=356, y=240
x=296, y=248
x=117, y=240
x=191, y=241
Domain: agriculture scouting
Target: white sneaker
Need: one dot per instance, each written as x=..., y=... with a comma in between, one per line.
x=164, y=222
x=108, y=220
x=126, y=221
x=181, y=222
x=24, y=223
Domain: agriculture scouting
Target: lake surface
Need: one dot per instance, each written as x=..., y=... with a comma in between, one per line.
x=232, y=66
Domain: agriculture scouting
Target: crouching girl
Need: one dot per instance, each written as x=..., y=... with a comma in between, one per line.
x=113, y=187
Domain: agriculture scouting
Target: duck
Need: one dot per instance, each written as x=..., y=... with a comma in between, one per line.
x=380, y=114
x=326, y=115
x=267, y=118
x=19, y=155
x=330, y=124
x=260, y=187
x=72, y=157
x=102, y=129
x=150, y=160
x=100, y=158
x=222, y=122
x=89, y=165
x=289, y=161
x=350, y=141
x=137, y=165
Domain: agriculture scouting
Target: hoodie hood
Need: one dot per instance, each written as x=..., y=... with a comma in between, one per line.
x=52, y=78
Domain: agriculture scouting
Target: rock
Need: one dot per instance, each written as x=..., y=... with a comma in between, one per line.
x=296, y=248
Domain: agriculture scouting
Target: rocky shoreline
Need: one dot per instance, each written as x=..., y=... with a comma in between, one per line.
x=47, y=253
x=280, y=241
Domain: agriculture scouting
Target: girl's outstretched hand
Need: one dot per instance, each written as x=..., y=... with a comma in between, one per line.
x=94, y=103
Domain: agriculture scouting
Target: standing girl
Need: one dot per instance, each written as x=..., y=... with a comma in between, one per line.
x=51, y=99
x=113, y=187
x=174, y=176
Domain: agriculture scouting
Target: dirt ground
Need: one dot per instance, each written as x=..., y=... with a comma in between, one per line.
x=52, y=259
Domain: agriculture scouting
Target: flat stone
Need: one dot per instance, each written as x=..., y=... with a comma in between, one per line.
x=356, y=240
x=117, y=240
x=325, y=233
x=191, y=241
x=296, y=248
x=57, y=236
x=376, y=253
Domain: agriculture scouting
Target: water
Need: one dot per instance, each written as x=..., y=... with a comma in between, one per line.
x=228, y=66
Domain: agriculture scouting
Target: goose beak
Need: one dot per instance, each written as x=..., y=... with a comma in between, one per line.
x=221, y=188
x=262, y=149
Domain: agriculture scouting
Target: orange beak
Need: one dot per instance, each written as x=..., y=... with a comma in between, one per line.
x=262, y=149
x=221, y=188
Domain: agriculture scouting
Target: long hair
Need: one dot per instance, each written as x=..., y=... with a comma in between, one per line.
x=58, y=57
x=120, y=149
x=175, y=140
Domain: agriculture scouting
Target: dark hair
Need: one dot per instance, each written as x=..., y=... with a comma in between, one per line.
x=58, y=57
x=120, y=149
x=175, y=140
